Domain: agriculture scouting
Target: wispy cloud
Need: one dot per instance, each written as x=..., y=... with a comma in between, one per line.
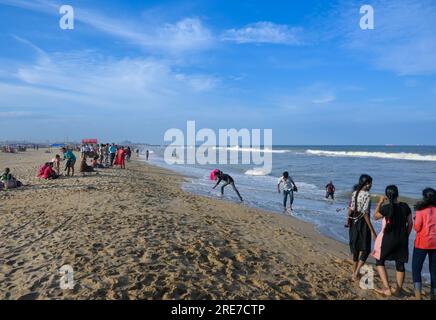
x=187, y=34
x=264, y=32
x=86, y=79
x=309, y=96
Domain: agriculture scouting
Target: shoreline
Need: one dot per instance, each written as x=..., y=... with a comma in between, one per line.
x=135, y=234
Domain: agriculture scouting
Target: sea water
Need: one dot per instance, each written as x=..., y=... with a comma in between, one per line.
x=411, y=168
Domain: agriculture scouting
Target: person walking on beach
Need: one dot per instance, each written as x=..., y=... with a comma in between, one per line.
x=330, y=190
x=128, y=153
x=147, y=154
x=360, y=224
x=228, y=180
x=425, y=242
x=392, y=243
x=71, y=160
x=288, y=189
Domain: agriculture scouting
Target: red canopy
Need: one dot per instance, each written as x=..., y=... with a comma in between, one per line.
x=92, y=141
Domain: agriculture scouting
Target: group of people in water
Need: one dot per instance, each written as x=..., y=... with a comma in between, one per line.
x=392, y=243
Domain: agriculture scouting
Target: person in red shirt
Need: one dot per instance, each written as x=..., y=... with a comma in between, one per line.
x=42, y=169
x=425, y=241
x=49, y=173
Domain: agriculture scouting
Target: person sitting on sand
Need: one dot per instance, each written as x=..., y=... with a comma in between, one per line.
x=71, y=160
x=94, y=162
x=425, y=242
x=42, y=169
x=221, y=176
x=57, y=164
x=330, y=190
x=9, y=181
x=360, y=224
x=288, y=189
x=49, y=173
x=392, y=243
x=84, y=168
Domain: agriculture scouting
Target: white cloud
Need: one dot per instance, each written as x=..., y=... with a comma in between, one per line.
x=264, y=32
x=85, y=79
x=187, y=34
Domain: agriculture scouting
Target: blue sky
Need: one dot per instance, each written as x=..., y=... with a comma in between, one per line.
x=133, y=69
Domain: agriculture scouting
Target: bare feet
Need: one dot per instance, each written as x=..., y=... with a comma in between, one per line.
x=385, y=292
x=418, y=295
x=396, y=292
x=355, y=277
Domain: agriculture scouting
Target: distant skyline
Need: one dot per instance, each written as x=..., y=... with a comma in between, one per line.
x=130, y=70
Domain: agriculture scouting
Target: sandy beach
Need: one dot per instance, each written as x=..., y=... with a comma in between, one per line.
x=134, y=234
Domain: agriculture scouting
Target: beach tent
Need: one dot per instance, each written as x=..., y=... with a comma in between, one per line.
x=89, y=141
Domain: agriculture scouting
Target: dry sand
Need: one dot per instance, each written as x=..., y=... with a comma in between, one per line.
x=134, y=234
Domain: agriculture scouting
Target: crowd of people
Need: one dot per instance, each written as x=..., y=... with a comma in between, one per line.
x=101, y=156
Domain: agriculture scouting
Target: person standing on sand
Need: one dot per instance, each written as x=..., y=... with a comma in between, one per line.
x=425, y=242
x=360, y=224
x=120, y=158
x=288, y=189
x=330, y=190
x=57, y=164
x=221, y=176
x=112, y=152
x=147, y=154
x=392, y=243
x=71, y=160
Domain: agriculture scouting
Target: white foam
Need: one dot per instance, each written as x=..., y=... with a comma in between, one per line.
x=248, y=149
x=364, y=154
x=258, y=172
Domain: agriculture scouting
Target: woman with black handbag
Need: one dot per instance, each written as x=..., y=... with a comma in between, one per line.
x=361, y=228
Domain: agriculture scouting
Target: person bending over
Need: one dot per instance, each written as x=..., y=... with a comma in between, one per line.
x=228, y=180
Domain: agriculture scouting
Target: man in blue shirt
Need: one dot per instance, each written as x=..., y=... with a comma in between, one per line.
x=71, y=160
x=112, y=152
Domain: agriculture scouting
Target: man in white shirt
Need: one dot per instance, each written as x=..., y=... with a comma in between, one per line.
x=288, y=189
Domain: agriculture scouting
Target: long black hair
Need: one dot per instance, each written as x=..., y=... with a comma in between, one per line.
x=391, y=193
x=364, y=180
x=428, y=199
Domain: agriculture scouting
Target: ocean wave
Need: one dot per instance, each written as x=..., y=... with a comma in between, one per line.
x=248, y=149
x=258, y=172
x=364, y=154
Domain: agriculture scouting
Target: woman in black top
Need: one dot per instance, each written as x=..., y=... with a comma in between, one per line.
x=228, y=180
x=392, y=243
